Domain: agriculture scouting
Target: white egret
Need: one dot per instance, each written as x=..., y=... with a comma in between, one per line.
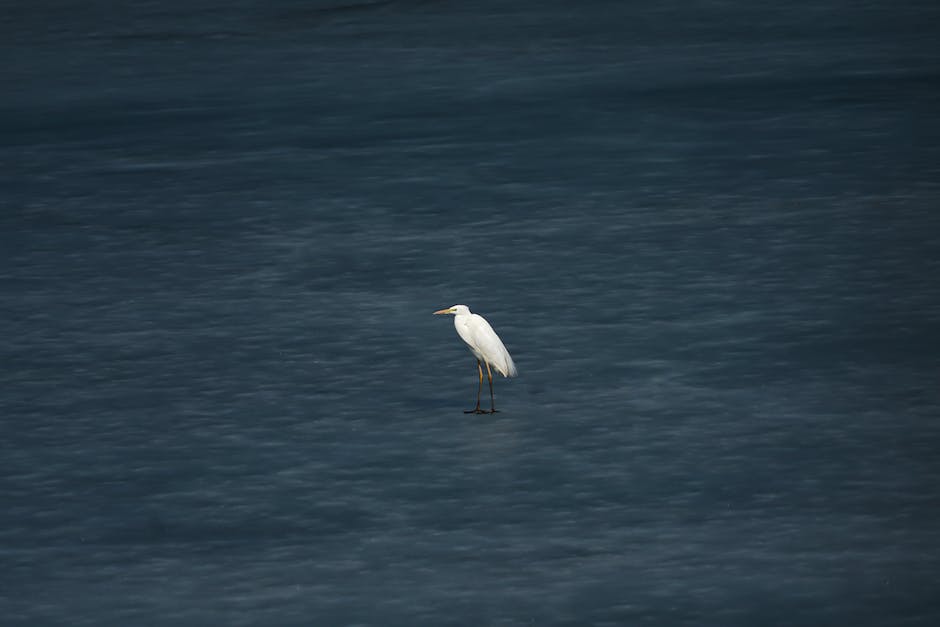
x=486, y=347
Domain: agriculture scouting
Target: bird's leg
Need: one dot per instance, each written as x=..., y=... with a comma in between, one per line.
x=477, y=409
x=492, y=398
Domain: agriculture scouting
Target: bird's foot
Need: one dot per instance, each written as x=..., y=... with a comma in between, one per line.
x=476, y=411
x=492, y=411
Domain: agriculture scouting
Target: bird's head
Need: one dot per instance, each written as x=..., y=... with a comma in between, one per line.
x=456, y=310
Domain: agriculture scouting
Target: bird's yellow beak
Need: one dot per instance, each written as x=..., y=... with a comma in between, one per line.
x=444, y=311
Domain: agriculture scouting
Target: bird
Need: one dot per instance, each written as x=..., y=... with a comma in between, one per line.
x=485, y=346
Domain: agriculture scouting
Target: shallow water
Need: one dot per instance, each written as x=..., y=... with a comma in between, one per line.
x=708, y=235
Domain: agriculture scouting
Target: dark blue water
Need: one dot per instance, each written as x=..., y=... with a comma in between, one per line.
x=708, y=232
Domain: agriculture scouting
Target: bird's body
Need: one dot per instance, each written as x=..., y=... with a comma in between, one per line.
x=485, y=345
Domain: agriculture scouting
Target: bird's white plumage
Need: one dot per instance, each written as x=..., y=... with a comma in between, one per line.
x=482, y=339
